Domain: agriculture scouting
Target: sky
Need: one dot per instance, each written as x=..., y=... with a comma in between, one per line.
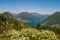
x=40, y=6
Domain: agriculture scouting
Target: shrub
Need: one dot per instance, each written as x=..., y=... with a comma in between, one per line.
x=30, y=34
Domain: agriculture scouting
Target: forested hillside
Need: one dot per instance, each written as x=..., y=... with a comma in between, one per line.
x=53, y=20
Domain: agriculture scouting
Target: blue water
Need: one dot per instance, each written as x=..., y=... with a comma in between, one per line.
x=32, y=23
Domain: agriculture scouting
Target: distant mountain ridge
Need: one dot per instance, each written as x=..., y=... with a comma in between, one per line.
x=30, y=18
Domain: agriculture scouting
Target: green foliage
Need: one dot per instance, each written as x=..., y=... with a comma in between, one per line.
x=53, y=19
x=8, y=23
x=29, y=34
x=58, y=36
x=54, y=29
x=4, y=38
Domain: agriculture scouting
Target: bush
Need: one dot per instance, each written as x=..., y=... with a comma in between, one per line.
x=31, y=34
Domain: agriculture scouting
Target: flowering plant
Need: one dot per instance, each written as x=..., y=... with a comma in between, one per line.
x=31, y=34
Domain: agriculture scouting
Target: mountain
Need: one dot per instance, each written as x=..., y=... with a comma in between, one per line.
x=8, y=22
x=27, y=16
x=7, y=15
x=30, y=18
x=54, y=19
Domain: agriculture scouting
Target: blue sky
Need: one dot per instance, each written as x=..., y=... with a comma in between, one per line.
x=40, y=6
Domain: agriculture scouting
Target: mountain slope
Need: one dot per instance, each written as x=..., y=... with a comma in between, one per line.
x=7, y=22
x=27, y=16
x=30, y=18
x=53, y=19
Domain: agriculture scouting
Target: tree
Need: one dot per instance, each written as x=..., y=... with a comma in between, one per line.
x=39, y=26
